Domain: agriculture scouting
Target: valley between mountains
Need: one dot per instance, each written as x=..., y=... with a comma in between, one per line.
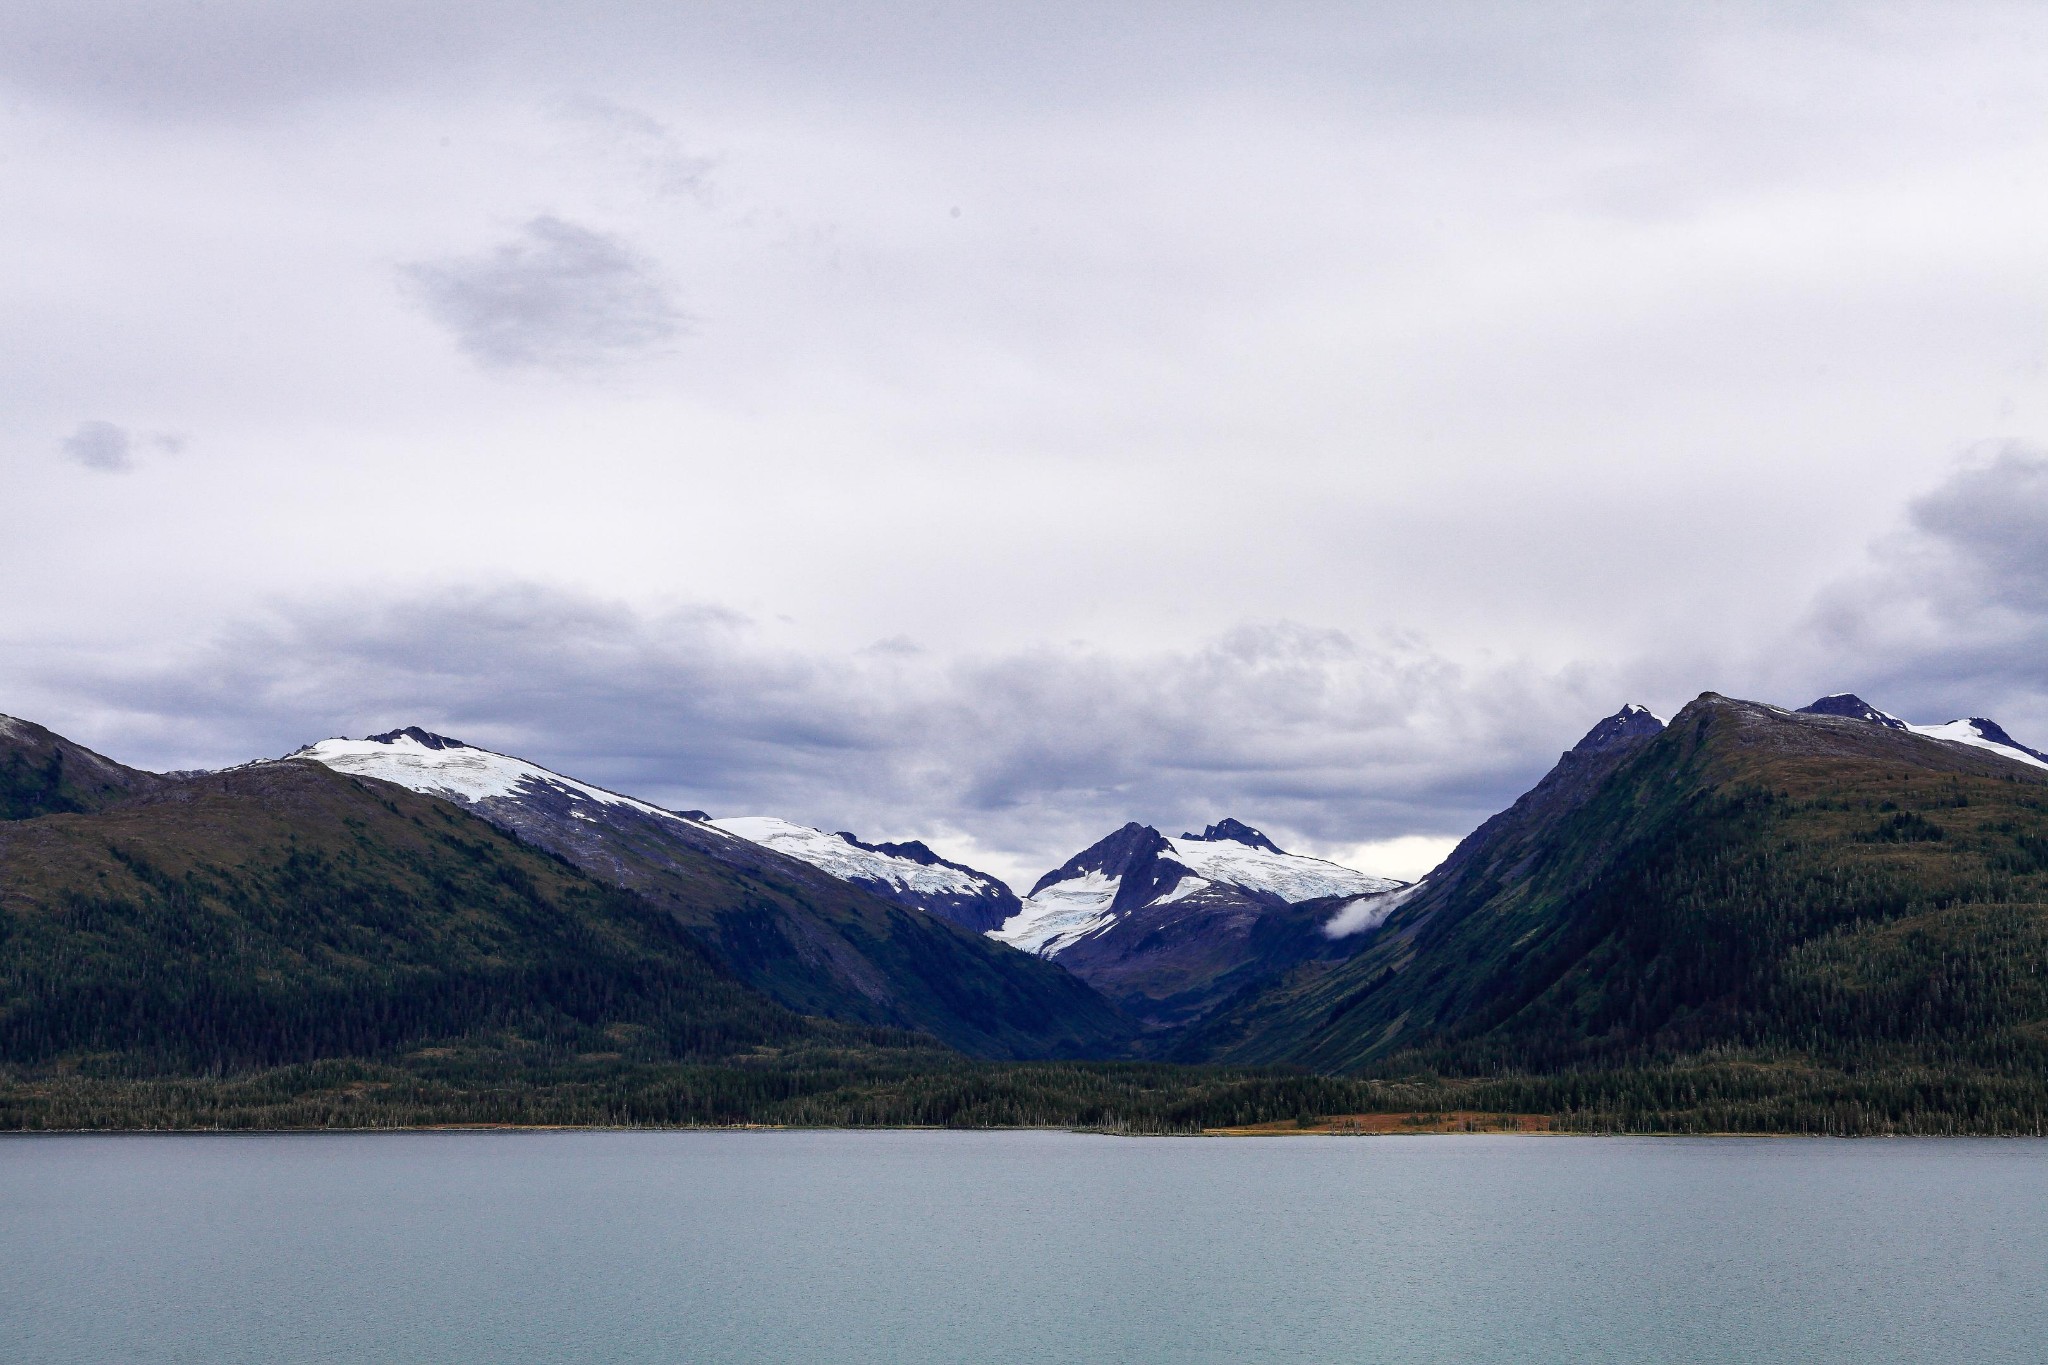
x=1748, y=919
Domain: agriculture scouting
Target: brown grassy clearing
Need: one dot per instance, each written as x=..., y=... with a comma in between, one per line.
x=1418, y=1121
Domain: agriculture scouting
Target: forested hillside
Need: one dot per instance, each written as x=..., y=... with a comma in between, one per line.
x=1755, y=920
x=283, y=913
x=1814, y=894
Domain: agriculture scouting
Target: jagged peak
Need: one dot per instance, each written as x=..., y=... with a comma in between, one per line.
x=1235, y=831
x=1112, y=856
x=426, y=739
x=1632, y=721
x=1851, y=707
x=914, y=850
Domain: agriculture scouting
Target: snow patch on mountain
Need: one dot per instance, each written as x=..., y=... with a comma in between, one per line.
x=1061, y=915
x=1975, y=731
x=836, y=854
x=439, y=766
x=1979, y=733
x=1290, y=876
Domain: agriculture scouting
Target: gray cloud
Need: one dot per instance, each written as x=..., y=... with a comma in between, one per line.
x=223, y=60
x=1029, y=754
x=1990, y=523
x=558, y=296
x=100, y=445
x=111, y=448
x=1952, y=614
x=1022, y=756
x=1597, y=333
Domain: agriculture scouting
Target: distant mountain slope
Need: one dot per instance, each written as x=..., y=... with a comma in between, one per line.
x=1974, y=731
x=1988, y=735
x=282, y=913
x=1849, y=706
x=908, y=873
x=1775, y=884
x=45, y=774
x=1166, y=927
x=808, y=939
x=1137, y=867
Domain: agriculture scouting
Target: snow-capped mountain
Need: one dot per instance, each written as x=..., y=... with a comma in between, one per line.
x=1975, y=731
x=817, y=941
x=908, y=873
x=1159, y=923
x=440, y=766
x=1980, y=733
x=1137, y=867
x=1853, y=707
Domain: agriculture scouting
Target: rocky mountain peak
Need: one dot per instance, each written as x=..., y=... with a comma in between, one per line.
x=426, y=739
x=1853, y=707
x=1630, y=722
x=914, y=850
x=1996, y=733
x=1112, y=856
x=1236, y=831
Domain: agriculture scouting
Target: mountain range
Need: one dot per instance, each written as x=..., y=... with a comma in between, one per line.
x=1746, y=883
x=1166, y=927
x=1749, y=901
x=848, y=938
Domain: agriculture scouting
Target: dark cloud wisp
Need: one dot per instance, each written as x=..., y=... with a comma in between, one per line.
x=557, y=296
x=112, y=448
x=100, y=445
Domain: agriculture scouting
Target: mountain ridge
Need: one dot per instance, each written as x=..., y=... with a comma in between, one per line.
x=1548, y=909
x=1168, y=927
x=814, y=942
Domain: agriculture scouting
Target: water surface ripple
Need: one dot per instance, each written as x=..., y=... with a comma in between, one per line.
x=918, y=1246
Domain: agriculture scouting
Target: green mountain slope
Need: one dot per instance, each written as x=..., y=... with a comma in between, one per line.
x=45, y=774
x=810, y=942
x=282, y=913
x=1750, y=883
x=820, y=945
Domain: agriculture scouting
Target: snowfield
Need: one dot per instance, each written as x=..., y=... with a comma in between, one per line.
x=459, y=772
x=1966, y=732
x=1061, y=915
x=1068, y=911
x=1290, y=876
x=830, y=853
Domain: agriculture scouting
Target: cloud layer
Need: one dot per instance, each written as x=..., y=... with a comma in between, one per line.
x=1953, y=610
x=1317, y=414
x=1379, y=750
x=1022, y=757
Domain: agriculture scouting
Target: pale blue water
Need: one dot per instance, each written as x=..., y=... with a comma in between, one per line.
x=905, y=1247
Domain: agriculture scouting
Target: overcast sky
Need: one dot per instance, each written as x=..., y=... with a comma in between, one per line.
x=990, y=423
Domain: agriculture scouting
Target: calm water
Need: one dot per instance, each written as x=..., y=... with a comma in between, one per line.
x=1018, y=1246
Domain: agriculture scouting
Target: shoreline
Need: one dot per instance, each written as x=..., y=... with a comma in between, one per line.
x=1276, y=1130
